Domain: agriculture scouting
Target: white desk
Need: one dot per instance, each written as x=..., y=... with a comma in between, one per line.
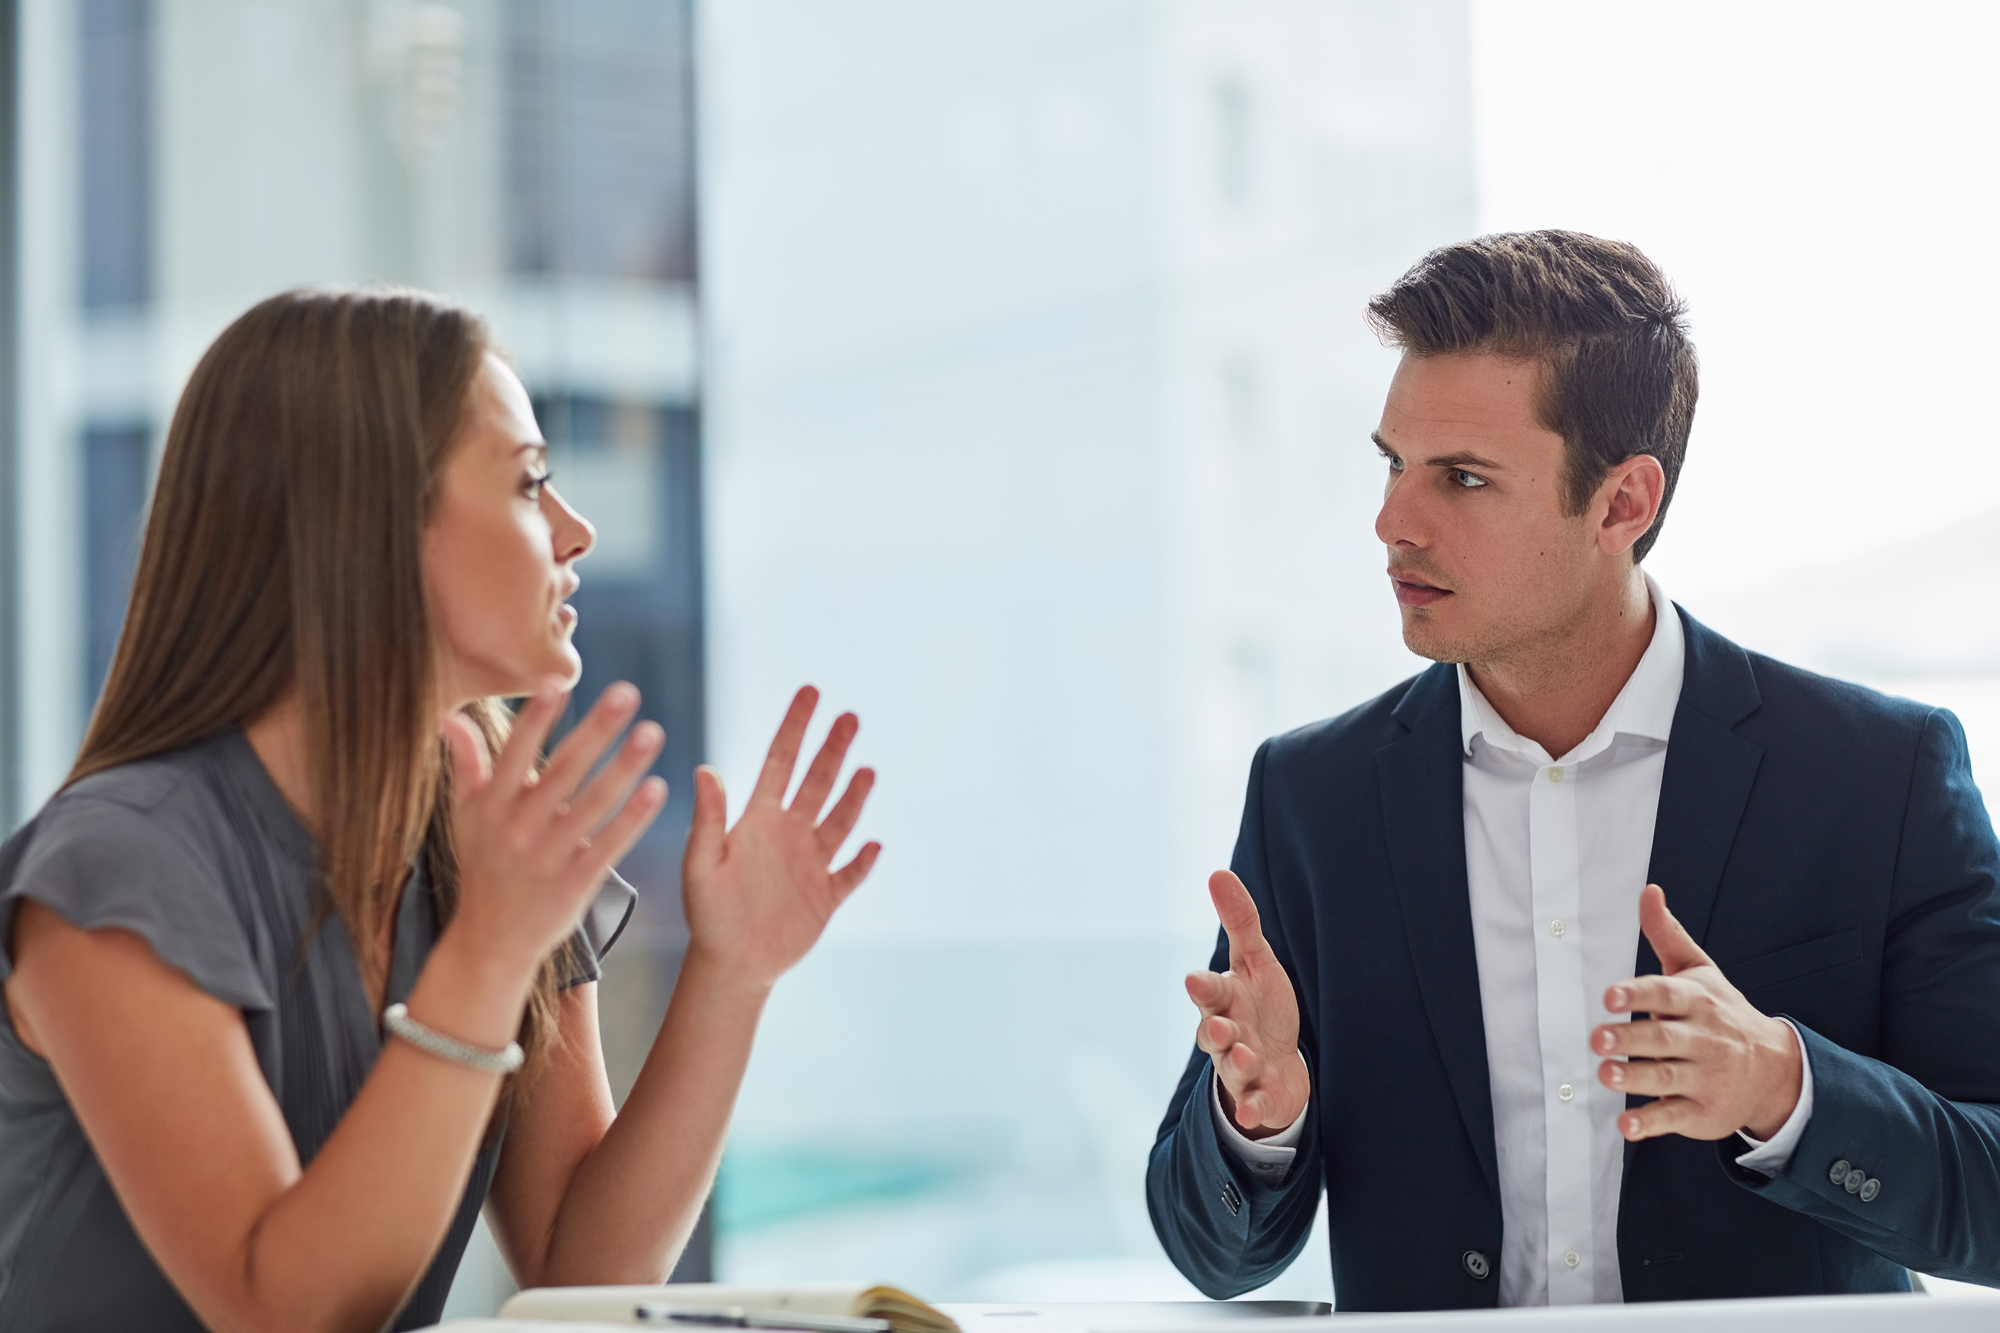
x=1804, y=1314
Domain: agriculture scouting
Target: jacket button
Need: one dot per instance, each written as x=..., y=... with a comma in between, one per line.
x=1837, y=1173
x=1869, y=1189
x=1856, y=1178
x=1476, y=1265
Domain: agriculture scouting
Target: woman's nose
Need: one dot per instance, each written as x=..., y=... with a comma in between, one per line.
x=571, y=533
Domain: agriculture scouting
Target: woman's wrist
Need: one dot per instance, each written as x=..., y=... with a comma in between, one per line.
x=705, y=969
x=472, y=992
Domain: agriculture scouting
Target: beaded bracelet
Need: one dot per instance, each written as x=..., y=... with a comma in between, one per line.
x=396, y=1019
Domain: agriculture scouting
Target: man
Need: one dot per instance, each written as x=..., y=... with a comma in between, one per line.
x=1444, y=992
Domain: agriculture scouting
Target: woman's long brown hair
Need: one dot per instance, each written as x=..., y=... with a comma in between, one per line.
x=284, y=551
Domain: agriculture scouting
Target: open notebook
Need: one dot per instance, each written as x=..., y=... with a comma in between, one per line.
x=620, y=1305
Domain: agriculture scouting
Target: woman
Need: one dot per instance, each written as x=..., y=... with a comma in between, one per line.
x=297, y=806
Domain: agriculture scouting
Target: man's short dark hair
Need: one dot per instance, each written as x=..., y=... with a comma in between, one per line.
x=1618, y=370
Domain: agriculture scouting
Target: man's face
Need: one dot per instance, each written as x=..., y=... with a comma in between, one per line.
x=1483, y=560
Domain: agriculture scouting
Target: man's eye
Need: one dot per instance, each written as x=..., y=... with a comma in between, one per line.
x=1467, y=480
x=1395, y=463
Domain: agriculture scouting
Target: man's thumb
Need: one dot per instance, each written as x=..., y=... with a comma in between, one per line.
x=1675, y=948
x=1237, y=911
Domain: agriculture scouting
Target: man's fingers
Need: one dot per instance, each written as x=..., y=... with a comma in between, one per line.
x=1667, y=997
x=1676, y=948
x=1244, y=1062
x=1216, y=1034
x=1654, y=1038
x=818, y=781
x=1652, y=1078
x=784, y=753
x=1665, y=1116
x=1211, y=992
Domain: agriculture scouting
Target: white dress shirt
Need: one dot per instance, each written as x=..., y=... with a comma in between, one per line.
x=1556, y=852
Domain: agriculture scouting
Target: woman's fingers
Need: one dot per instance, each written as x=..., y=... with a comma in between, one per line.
x=586, y=743
x=840, y=821
x=471, y=764
x=818, y=781
x=848, y=878
x=531, y=728
x=608, y=790
x=616, y=838
x=784, y=753
x=711, y=813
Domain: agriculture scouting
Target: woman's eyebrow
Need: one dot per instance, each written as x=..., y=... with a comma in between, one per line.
x=540, y=447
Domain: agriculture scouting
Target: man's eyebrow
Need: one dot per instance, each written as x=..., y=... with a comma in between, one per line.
x=1444, y=460
x=1464, y=460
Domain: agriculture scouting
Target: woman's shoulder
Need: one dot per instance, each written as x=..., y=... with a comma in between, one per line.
x=156, y=846
x=171, y=798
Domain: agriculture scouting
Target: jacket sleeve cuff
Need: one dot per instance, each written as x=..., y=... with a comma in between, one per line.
x=1769, y=1157
x=1268, y=1160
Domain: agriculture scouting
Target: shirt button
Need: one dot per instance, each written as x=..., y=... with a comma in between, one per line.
x=1565, y=1092
x=1556, y=928
x=1571, y=1258
x=1555, y=775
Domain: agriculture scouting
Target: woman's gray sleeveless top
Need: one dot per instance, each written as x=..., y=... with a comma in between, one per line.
x=196, y=851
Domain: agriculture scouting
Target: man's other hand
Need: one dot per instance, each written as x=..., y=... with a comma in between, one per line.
x=1715, y=1062
x=1250, y=1020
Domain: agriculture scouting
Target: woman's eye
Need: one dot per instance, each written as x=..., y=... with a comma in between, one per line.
x=535, y=484
x=1466, y=480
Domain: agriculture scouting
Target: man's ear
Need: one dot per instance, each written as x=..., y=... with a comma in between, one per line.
x=1629, y=497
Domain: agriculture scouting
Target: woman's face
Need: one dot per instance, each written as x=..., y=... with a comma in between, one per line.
x=500, y=550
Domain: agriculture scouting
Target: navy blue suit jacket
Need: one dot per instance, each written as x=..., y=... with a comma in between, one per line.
x=1825, y=844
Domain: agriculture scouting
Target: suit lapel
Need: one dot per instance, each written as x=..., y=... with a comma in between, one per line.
x=1423, y=810
x=1704, y=789
x=1706, y=784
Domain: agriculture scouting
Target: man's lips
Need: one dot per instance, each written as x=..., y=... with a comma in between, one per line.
x=1413, y=591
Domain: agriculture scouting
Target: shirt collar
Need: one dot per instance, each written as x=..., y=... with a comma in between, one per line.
x=1645, y=707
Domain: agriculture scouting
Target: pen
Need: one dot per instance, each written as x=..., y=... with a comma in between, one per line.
x=735, y=1316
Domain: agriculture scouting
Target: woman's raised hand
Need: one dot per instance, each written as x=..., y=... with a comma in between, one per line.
x=533, y=848
x=758, y=895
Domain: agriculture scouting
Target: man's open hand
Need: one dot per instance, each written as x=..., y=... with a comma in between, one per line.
x=1715, y=1062
x=1250, y=1020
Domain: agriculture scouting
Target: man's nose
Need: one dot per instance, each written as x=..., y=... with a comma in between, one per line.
x=1398, y=523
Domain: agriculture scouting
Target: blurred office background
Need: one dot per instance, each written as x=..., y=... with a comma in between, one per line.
x=998, y=366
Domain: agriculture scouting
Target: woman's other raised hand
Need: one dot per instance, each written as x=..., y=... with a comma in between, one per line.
x=533, y=847
x=759, y=894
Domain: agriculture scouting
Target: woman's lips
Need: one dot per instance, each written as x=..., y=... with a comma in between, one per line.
x=567, y=615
